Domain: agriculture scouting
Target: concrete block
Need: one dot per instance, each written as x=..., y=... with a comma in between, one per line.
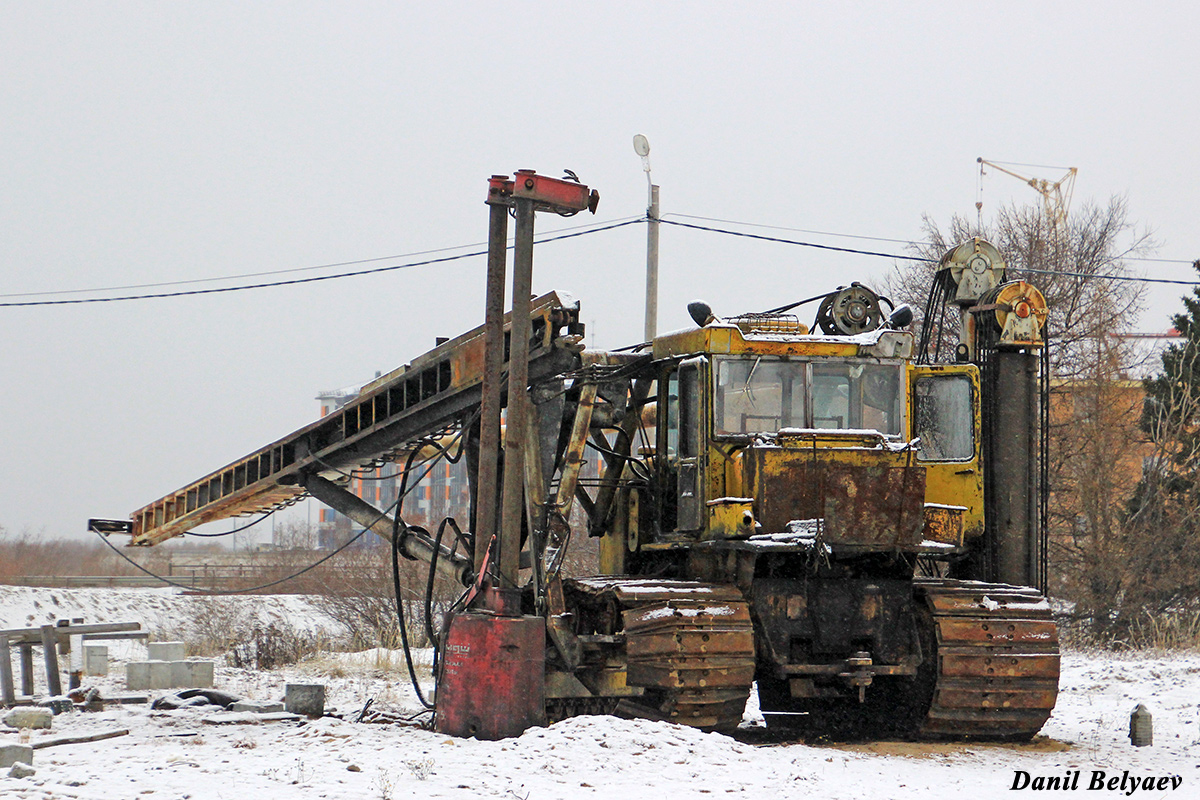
x=192, y=674
x=95, y=659
x=21, y=770
x=142, y=675
x=160, y=675
x=13, y=753
x=29, y=717
x=258, y=706
x=137, y=675
x=305, y=698
x=166, y=651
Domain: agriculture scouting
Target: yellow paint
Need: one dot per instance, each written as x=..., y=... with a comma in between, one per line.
x=728, y=518
x=729, y=340
x=956, y=483
x=722, y=466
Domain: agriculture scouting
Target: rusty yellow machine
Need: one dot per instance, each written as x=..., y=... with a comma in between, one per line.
x=848, y=518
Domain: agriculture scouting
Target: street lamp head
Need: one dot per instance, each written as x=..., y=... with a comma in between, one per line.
x=641, y=145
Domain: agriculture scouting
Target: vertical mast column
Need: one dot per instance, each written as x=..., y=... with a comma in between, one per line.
x=517, y=417
x=487, y=492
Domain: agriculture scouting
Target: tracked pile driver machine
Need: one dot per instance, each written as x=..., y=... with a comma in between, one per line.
x=845, y=516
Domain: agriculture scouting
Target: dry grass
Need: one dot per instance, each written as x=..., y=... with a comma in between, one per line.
x=1174, y=630
x=1177, y=630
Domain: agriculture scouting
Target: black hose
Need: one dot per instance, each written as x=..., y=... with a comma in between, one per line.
x=412, y=672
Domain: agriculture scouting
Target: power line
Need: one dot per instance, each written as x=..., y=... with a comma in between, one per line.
x=794, y=230
x=296, y=281
x=1066, y=273
x=882, y=238
x=801, y=244
x=583, y=231
x=289, y=270
x=1132, y=278
x=1161, y=260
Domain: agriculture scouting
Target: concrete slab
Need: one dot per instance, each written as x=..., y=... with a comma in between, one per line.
x=160, y=675
x=257, y=706
x=137, y=675
x=192, y=674
x=166, y=651
x=15, y=753
x=95, y=659
x=305, y=698
x=29, y=717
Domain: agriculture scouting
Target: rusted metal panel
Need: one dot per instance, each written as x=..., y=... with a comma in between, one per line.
x=878, y=506
x=708, y=708
x=1000, y=666
x=703, y=642
x=492, y=684
x=644, y=591
x=690, y=645
x=944, y=524
x=703, y=615
x=986, y=604
x=693, y=674
x=998, y=632
x=1007, y=697
x=553, y=194
x=998, y=661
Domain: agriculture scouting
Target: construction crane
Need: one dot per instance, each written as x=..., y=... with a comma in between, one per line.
x=1056, y=195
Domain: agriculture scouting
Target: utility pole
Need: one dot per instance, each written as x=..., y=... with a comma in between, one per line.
x=641, y=146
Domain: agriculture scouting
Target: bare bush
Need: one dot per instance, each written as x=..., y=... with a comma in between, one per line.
x=275, y=645
x=360, y=595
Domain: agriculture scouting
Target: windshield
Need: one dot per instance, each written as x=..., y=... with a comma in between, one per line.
x=760, y=394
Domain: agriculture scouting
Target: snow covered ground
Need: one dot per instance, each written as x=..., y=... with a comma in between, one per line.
x=176, y=754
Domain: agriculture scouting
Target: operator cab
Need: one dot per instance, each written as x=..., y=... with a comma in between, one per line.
x=749, y=406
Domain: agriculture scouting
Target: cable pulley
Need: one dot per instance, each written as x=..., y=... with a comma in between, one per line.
x=850, y=311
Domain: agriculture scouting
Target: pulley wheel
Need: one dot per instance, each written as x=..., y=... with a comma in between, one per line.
x=852, y=310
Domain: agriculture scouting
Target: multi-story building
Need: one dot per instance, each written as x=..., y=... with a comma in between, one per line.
x=441, y=491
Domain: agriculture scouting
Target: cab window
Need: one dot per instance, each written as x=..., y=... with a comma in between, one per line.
x=759, y=394
x=943, y=417
x=857, y=396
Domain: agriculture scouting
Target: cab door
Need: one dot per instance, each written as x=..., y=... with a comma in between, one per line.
x=944, y=415
x=682, y=406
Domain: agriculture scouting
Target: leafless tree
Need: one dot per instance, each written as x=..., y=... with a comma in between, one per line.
x=1081, y=273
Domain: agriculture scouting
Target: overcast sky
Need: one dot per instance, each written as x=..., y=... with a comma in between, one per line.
x=159, y=142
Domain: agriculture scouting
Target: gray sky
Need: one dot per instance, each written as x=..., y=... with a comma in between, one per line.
x=152, y=142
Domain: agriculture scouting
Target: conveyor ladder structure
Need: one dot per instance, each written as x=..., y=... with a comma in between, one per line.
x=437, y=391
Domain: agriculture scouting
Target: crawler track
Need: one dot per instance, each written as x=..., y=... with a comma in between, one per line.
x=997, y=663
x=689, y=645
x=989, y=671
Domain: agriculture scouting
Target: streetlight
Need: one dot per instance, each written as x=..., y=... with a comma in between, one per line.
x=641, y=146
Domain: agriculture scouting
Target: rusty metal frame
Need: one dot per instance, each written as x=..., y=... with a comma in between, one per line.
x=436, y=390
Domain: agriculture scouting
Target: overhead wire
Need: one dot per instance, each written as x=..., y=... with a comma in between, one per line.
x=295, y=269
x=797, y=242
x=314, y=279
x=785, y=228
x=581, y=231
x=876, y=238
x=1132, y=278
